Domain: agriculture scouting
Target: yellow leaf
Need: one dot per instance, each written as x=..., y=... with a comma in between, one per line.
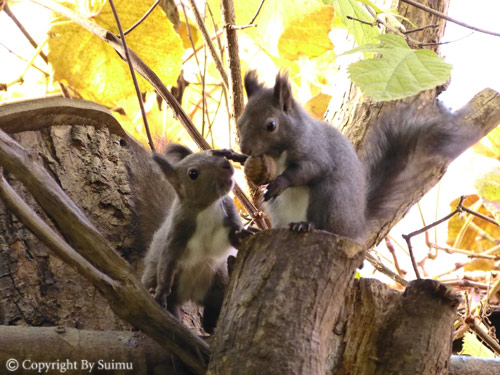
x=307, y=34
x=94, y=69
x=468, y=238
x=195, y=35
x=273, y=18
x=317, y=105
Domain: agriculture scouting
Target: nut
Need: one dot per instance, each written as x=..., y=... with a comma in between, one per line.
x=261, y=169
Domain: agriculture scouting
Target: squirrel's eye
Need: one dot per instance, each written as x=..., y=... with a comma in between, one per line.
x=271, y=126
x=193, y=173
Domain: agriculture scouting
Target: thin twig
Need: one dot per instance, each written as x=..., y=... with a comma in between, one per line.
x=131, y=28
x=484, y=217
x=37, y=52
x=420, y=29
x=250, y=24
x=208, y=42
x=363, y=21
x=385, y=270
x=464, y=283
x=239, y=27
x=132, y=73
x=448, y=18
x=256, y=13
x=33, y=43
x=23, y=59
x=491, y=293
x=470, y=254
x=233, y=61
x=407, y=237
x=492, y=343
x=24, y=31
x=390, y=247
x=202, y=73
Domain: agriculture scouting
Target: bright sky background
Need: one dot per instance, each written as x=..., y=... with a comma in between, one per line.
x=476, y=58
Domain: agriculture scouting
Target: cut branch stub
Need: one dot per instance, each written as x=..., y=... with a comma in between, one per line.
x=286, y=293
x=389, y=332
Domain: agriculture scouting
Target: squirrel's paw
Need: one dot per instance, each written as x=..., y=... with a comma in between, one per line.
x=239, y=236
x=230, y=155
x=161, y=295
x=302, y=226
x=276, y=187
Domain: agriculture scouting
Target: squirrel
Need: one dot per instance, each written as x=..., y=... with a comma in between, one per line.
x=321, y=180
x=187, y=257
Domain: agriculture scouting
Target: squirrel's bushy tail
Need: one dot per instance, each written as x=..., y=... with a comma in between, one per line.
x=401, y=146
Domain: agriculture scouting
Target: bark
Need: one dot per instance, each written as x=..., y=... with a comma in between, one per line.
x=282, y=303
x=389, y=332
x=80, y=348
x=90, y=163
x=463, y=365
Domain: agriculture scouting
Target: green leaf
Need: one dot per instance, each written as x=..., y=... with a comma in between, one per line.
x=399, y=72
x=361, y=32
x=94, y=69
x=473, y=347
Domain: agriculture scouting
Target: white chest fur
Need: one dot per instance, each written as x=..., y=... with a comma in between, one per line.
x=291, y=205
x=210, y=240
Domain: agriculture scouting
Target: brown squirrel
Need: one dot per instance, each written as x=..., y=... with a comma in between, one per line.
x=187, y=257
x=322, y=182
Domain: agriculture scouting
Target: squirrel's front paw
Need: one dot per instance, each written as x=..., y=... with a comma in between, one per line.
x=301, y=226
x=276, y=187
x=230, y=155
x=161, y=295
x=239, y=236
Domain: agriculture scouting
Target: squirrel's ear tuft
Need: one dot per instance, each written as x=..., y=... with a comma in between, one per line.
x=282, y=92
x=175, y=152
x=252, y=84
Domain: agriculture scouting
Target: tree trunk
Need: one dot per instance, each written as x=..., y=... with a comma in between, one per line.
x=389, y=332
x=285, y=296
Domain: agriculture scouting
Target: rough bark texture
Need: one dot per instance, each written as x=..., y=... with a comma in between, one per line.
x=76, y=349
x=463, y=365
x=36, y=288
x=282, y=304
x=390, y=332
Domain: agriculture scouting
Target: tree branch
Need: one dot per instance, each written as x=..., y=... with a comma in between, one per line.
x=448, y=18
x=208, y=42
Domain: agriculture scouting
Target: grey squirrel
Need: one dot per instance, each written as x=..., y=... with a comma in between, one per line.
x=322, y=182
x=187, y=258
